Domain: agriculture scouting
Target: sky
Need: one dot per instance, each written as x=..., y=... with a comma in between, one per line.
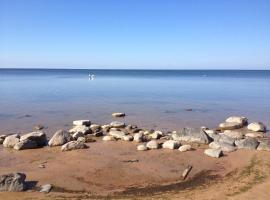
x=135, y=34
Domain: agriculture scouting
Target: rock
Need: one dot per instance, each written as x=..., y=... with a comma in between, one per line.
x=225, y=139
x=186, y=147
x=11, y=141
x=106, y=127
x=73, y=145
x=89, y=138
x=117, y=134
x=139, y=137
x=264, y=145
x=230, y=125
x=225, y=147
x=118, y=114
x=215, y=153
x=116, y=124
x=76, y=135
x=234, y=134
x=171, y=144
x=142, y=147
x=39, y=127
x=80, y=129
x=153, y=144
x=128, y=138
x=212, y=134
x=192, y=135
x=257, y=127
x=46, y=188
x=98, y=133
x=81, y=139
x=247, y=143
x=2, y=138
x=59, y=138
x=82, y=122
x=235, y=119
x=25, y=144
x=108, y=138
x=255, y=135
x=156, y=135
x=14, y=182
x=38, y=136
x=95, y=128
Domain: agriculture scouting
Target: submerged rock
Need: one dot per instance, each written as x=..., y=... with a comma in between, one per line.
x=73, y=145
x=14, y=182
x=83, y=122
x=257, y=127
x=215, y=153
x=153, y=144
x=59, y=138
x=171, y=144
x=11, y=141
x=186, y=147
x=195, y=135
x=26, y=144
x=38, y=136
x=118, y=114
x=142, y=147
x=247, y=143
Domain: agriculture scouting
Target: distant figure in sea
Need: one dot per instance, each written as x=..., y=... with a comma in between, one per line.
x=91, y=77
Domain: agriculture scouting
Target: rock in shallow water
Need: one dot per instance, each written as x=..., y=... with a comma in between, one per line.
x=256, y=126
x=195, y=135
x=73, y=145
x=247, y=143
x=11, y=141
x=215, y=153
x=171, y=144
x=59, y=138
x=14, y=182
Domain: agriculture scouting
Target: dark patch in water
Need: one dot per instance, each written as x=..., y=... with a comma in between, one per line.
x=24, y=116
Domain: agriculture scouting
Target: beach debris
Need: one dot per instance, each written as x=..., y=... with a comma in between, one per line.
x=192, y=135
x=59, y=138
x=11, y=140
x=171, y=144
x=257, y=127
x=215, y=153
x=186, y=172
x=73, y=145
x=14, y=182
x=153, y=144
x=117, y=124
x=108, y=138
x=24, y=116
x=142, y=147
x=247, y=143
x=186, y=147
x=118, y=114
x=82, y=122
x=46, y=188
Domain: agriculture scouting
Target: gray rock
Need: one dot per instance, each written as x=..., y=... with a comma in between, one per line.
x=171, y=144
x=212, y=134
x=38, y=136
x=116, y=124
x=142, y=147
x=59, y=138
x=215, y=153
x=236, y=119
x=264, y=145
x=83, y=122
x=230, y=125
x=80, y=129
x=186, y=147
x=106, y=127
x=225, y=147
x=139, y=137
x=95, y=128
x=255, y=134
x=195, y=135
x=235, y=134
x=46, y=188
x=256, y=126
x=98, y=133
x=153, y=144
x=118, y=114
x=14, y=182
x=76, y=135
x=81, y=139
x=11, y=141
x=247, y=143
x=73, y=145
x=25, y=144
x=117, y=134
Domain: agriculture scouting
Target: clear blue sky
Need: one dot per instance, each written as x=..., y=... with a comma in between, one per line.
x=176, y=34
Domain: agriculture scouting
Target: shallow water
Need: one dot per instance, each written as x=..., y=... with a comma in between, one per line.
x=166, y=99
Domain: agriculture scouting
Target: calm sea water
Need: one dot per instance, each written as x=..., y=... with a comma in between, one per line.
x=150, y=98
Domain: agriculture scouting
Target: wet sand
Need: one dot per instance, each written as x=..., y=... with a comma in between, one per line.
x=116, y=170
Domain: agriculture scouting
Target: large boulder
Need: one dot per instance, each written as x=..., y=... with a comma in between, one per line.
x=116, y=124
x=236, y=119
x=14, y=182
x=26, y=144
x=11, y=141
x=247, y=143
x=256, y=126
x=215, y=153
x=83, y=122
x=73, y=145
x=59, y=138
x=38, y=136
x=264, y=145
x=153, y=144
x=195, y=135
x=171, y=144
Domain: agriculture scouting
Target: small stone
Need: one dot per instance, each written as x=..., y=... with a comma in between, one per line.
x=215, y=153
x=118, y=114
x=83, y=122
x=247, y=143
x=108, y=138
x=81, y=139
x=46, y=188
x=80, y=129
x=95, y=128
x=89, y=138
x=106, y=127
x=153, y=144
x=156, y=135
x=186, y=147
x=117, y=134
x=171, y=144
x=73, y=145
x=257, y=127
x=41, y=166
x=142, y=147
x=223, y=146
x=116, y=124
